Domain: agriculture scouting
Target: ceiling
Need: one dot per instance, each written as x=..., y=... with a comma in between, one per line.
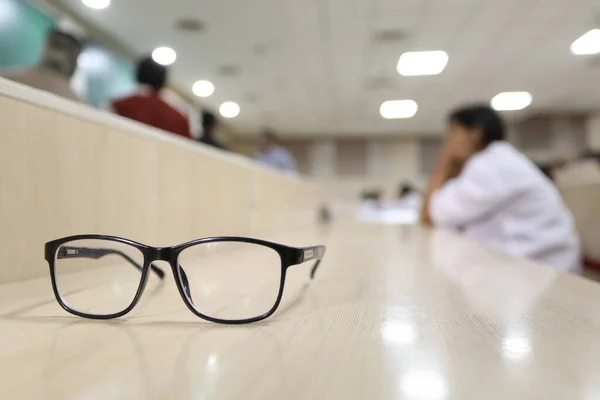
x=317, y=67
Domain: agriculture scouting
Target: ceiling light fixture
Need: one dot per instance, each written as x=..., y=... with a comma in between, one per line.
x=398, y=109
x=203, y=88
x=587, y=44
x=96, y=4
x=164, y=55
x=422, y=63
x=229, y=109
x=511, y=101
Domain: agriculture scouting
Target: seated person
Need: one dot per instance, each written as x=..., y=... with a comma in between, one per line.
x=210, y=123
x=147, y=106
x=57, y=66
x=273, y=154
x=491, y=192
x=408, y=197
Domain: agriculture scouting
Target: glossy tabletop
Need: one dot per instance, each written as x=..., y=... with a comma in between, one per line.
x=396, y=312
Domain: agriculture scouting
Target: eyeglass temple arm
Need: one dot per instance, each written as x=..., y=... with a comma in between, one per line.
x=312, y=253
x=97, y=253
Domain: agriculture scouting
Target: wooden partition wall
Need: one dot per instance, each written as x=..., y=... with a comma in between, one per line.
x=68, y=169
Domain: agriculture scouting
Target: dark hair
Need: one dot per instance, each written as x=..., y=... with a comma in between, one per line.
x=66, y=44
x=405, y=189
x=56, y=35
x=151, y=73
x=482, y=117
x=209, y=121
x=270, y=135
x=371, y=195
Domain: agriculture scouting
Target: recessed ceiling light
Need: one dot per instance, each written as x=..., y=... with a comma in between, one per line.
x=589, y=43
x=229, y=109
x=511, y=101
x=396, y=109
x=203, y=88
x=422, y=63
x=164, y=55
x=96, y=4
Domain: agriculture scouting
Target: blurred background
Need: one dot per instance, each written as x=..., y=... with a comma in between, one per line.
x=319, y=73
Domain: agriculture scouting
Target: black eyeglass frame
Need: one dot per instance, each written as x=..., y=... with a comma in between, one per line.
x=289, y=256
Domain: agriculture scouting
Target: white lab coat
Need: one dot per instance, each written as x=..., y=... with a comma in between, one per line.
x=504, y=201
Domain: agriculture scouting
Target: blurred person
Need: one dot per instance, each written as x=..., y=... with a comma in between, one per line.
x=408, y=197
x=371, y=208
x=147, y=106
x=273, y=154
x=210, y=123
x=56, y=67
x=491, y=192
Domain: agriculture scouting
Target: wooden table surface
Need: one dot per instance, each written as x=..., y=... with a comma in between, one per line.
x=395, y=312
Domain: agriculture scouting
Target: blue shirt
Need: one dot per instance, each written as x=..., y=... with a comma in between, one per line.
x=277, y=157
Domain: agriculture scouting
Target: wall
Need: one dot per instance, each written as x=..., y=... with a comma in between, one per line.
x=550, y=138
x=389, y=162
x=72, y=169
x=347, y=167
x=593, y=132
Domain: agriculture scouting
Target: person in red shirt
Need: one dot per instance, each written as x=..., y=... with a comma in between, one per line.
x=147, y=106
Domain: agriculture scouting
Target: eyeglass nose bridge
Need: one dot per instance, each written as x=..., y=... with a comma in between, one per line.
x=160, y=254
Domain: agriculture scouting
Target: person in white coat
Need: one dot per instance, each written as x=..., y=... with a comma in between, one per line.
x=485, y=188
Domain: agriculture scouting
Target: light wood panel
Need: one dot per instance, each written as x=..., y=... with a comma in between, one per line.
x=583, y=199
x=394, y=313
x=68, y=169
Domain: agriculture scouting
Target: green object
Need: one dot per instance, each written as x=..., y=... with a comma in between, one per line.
x=22, y=33
x=101, y=76
x=106, y=76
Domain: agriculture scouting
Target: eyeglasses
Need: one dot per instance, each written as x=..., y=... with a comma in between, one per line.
x=229, y=280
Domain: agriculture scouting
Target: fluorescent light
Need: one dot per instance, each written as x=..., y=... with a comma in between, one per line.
x=511, y=101
x=587, y=44
x=164, y=55
x=96, y=4
x=203, y=88
x=396, y=109
x=422, y=63
x=229, y=109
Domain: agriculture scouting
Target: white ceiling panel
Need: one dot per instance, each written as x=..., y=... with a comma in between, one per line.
x=321, y=67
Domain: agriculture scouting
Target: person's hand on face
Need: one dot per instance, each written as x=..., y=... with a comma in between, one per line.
x=454, y=148
x=461, y=144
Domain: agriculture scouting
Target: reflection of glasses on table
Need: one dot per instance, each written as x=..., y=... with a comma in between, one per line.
x=230, y=280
